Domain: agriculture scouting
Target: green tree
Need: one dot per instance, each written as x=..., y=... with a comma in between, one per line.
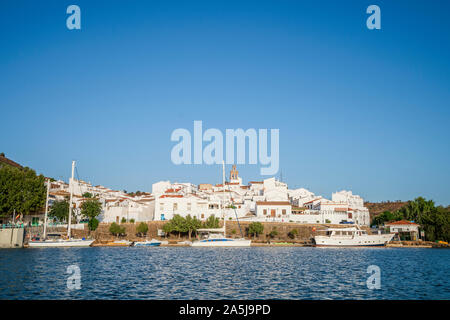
x=21, y=190
x=386, y=216
x=435, y=221
x=87, y=195
x=179, y=225
x=91, y=209
x=59, y=210
x=211, y=222
x=417, y=209
x=124, y=220
x=255, y=229
x=142, y=229
x=93, y=224
x=192, y=225
x=168, y=228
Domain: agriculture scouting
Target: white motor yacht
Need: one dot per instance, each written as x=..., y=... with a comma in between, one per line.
x=351, y=237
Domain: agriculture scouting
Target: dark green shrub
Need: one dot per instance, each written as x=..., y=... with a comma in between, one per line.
x=293, y=233
x=142, y=229
x=116, y=230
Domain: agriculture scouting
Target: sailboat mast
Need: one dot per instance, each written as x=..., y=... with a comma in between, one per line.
x=223, y=184
x=46, y=209
x=71, y=198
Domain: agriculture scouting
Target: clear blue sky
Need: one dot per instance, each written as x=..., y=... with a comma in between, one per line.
x=357, y=109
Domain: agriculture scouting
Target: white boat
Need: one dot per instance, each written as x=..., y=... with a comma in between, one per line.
x=69, y=242
x=60, y=243
x=216, y=237
x=351, y=237
x=146, y=243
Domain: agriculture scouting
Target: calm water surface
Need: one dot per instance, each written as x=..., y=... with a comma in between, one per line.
x=224, y=273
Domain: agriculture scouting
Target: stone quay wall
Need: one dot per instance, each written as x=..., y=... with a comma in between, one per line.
x=305, y=232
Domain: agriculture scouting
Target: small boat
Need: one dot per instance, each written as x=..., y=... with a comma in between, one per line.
x=351, y=237
x=218, y=239
x=118, y=243
x=146, y=243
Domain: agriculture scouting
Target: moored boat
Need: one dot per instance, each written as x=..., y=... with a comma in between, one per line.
x=57, y=240
x=50, y=243
x=216, y=238
x=118, y=243
x=351, y=237
x=147, y=243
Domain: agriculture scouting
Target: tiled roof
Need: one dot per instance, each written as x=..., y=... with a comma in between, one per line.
x=312, y=200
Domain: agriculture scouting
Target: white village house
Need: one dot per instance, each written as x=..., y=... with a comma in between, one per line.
x=406, y=230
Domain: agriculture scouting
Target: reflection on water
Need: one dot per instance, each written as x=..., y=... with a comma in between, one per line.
x=224, y=273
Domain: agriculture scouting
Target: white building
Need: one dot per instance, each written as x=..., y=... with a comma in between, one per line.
x=405, y=229
x=298, y=197
x=270, y=210
x=138, y=210
x=267, y=200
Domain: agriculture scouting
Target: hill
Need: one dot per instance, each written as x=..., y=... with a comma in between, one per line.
x=375, y=208
x=6, y=161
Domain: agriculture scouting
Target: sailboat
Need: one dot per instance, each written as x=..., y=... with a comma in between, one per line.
x=216, y=237
x=69, y=242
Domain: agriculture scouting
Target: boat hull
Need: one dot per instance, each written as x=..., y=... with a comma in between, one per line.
x=60, y=244
x=117, y=244
x=226, y=243
x=361, y=241
x=147, y=244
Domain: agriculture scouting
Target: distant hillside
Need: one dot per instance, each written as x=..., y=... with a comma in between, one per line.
x=375, y=208
x=6, y=161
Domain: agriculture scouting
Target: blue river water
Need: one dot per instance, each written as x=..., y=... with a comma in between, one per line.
x=225, y=273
